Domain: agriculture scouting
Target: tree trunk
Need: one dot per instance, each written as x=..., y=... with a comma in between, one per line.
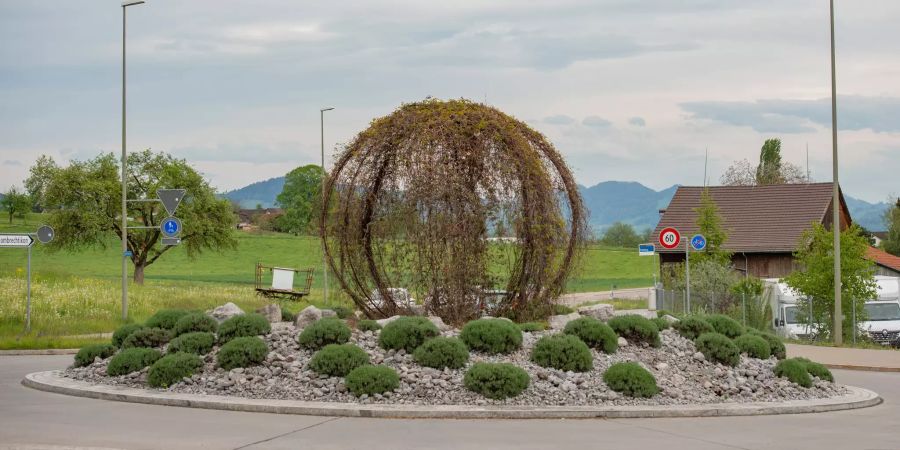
x=139, y=274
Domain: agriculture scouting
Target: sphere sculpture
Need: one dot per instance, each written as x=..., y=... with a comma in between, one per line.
x=412, y=203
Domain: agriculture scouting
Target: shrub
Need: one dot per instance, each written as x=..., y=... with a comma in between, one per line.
x=165, y=318
x=563, y=352
x=725, y=325
x=560, y=310
x=530, y=327
x=635, y=328
x=243, y=325
x=718, y=348
x=661, y=324
x=371, y=380
x=692, y=327
x=407, y=333
x=192, y=322
x=287, y=316
x=170, y=369
x=123, y=332
x=342, y=312
x=776, y=347
x=594, y=333
x=496, y=381
x=491, y=336
x=664, y=312
x=243, y=351
x=794, y=370
x=630, y=379
x=198, y=343
x=131, y=360
x=367, y=325
x=338, y=360
x=147, y=337
x=442, y=352
x=329, y=330
x=753, y=346
x=817, y=370
x=86, y=354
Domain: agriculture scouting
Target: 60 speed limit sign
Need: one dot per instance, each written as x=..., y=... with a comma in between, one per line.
x=669, y=238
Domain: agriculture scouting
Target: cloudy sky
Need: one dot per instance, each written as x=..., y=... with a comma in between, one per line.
x=625, y=89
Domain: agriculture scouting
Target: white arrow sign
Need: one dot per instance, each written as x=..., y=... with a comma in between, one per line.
x=16, y=240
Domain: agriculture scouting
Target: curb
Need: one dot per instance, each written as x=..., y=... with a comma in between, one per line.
x=863, y=368
x=39, y=352
x=52, y=381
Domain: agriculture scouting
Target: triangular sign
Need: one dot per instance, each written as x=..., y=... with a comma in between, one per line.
x=171, y=198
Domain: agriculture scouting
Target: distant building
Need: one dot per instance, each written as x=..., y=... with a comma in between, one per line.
x=250, y=219
x=885, y=263
x=878, y=237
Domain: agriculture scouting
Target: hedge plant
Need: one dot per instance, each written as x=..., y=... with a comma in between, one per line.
x=342, y=312
x=630, y=379
x=496, y=380
x=165, y=318
x=492, y=336
x=776, y=347
x=407, y=333
x=243, y=351
x=817, y=370
x=368, y=325
x=691, y=327
x=661, y=324
x=371, y=380
x=328, y=330
x=337, y=360
x=594, y=333
x=718, y=348
x=442, y=352
x=198, y=343
x=563, y=352
x=147, y=337
x=795, y=371
x=131, y=360
x=170, y=369
x=86, y=354
x=530, y=327
x=123, y=332
x=635, y=328
x=243, y=325
x=287, y=316
x=753, y=346
x=194, y=322
x=725, y=325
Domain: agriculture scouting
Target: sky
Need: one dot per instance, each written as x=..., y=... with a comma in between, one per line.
x=625, y=89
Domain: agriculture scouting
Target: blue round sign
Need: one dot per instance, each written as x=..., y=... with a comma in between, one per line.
x=170, y=227
x=698, y=242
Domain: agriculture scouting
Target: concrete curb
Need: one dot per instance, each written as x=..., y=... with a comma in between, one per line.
x=39, y=352
x=52, y=381
x=863, y=368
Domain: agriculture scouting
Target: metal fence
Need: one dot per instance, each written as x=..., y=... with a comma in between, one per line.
x=750, y=310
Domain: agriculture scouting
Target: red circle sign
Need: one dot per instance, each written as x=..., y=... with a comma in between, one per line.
x=669, y=238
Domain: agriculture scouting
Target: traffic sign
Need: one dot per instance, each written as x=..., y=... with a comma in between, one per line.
x=646, y=249
x=45, y=234
x=170, y=227
x=16, y=240
x=669, y=238
x=698, y=242
x=171, y=241
x=170, y=198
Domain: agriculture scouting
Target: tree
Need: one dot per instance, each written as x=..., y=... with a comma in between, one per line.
x=84, y=200
x=891, y=243
x=710, y=223
x=770, y=170
x=16, y=204
x=301, y=194
x=815, y=279
x=620, y=234
x=36, y=184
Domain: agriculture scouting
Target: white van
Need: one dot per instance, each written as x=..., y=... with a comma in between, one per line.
x=786, y=310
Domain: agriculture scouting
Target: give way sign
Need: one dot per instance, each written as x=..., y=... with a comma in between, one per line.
x=669, y=237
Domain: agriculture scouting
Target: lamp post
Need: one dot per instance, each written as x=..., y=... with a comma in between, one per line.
x=835, y=201
x=125, y=5
x=324, y=258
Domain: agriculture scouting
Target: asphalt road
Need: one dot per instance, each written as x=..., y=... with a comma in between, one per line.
x=31, y=419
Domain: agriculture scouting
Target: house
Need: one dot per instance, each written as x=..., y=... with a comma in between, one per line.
x=878, y=237
x=249, y=219
x=885, y=263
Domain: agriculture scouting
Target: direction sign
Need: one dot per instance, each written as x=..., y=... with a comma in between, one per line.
x=16, y=240
x=669, y=238
x=170, y=198
x=698, y=242
x=170, y=227
x=646, y=249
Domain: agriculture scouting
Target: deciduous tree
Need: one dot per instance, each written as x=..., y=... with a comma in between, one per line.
x=16, y=203
x=620, y=234
x=301, y=194
x=891, y=243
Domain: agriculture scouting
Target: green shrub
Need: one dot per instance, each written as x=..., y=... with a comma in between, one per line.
x=371, y=380
x=165, y=318
x=442, y=352
x=594, y=333
x=86, y=354
x=170, y=369
x=692, y=327
x=147, y=337
x=496, y=381
x=817, y=370
x=563, y=352
x=287, y=316
x=630, y=379
x=663, y=312
x=560, y=310
x=492, y=336
x=407, y=333
x=776, y=347
x=338, y=360
x=635, y=328
x=342, y=312
x=718, y=348
x=368, y=325
x=243, y=351
x=329, y=330
x=661, y=324
x=131, y=360
x=198, y=343
x=794, y=370
x=192, y=322
x=530, y=327
x=725, y=325
x=123, y=332
x=753, y=346
x=243, y=325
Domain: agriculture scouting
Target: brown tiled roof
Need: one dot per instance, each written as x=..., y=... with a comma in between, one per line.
x=883, y=258
x=757, y=218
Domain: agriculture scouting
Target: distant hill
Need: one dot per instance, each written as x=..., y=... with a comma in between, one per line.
x=259, y=193
x=868, y=215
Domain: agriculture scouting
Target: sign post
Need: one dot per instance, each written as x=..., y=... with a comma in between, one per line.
x=26, y=241
x=697, y=242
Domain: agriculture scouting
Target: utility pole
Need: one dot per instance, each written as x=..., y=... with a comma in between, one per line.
x=324, y=208
x=835, y=201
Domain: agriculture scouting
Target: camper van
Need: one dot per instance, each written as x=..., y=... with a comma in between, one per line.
x=785, y=303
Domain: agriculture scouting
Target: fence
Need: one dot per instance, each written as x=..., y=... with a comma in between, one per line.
x=750, y=310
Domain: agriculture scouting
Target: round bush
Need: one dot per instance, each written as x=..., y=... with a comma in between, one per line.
x=198, y=343
x=718, y=348
x=131, y=360
x=147, y=337
x=407, y=333
x=492, y=336
x=342, y=312
x=338, y=360
x=371, y=380
x=86, y=354
x=123, y=332
x=725, y=325
x=776, y=347
x=817, y=370
x=753, y=346
x=242, y=352
x=368, y=325
x=192, y=322
x=561, y=310
x=563, y=352
x=165, y=318
x=442, y=352
x=287, y=316
x=496, y=380
x=630, y=379
x=692, y=327
x=530, y=327
x=594, y=333
x=329, y=330
x=661, y=324
x=635, y=328
x=243, y=325
x=794, y=370
x=170, y=369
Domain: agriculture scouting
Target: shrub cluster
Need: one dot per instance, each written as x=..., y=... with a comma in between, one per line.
x=817, y=370
x=170, y=369
x=165, y=318
x=776, y=347
x=725, y=325
x=371, y=380
x=131, y=360
x=328, y=330
x=243, y=325
x=337, y=360
x=635, y=328
x=529, y=327
x=243, y=351
x=194, y=322
x=753, y=346
x=407, y=333
x=563, y=352
x=367, y=325
x=692, y=327
x=562, y=309
x=661, y=324
x=442, y=352
x=630, y=379
x=287, y=316
x=594, y=333
x=197, y=342
x=496, y=380
x=794, y=370
x=342, y=312
x=147, y=337
x=123, y=332
x=718, y=348
x=492, y=336
x=86, y=354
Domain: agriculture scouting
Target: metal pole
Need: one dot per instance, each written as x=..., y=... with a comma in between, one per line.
x=324, y=208
x=744, y=306
x=854, y=321
x=835, y=202
x=28, y=301
x=687, y=275
x=124, y=191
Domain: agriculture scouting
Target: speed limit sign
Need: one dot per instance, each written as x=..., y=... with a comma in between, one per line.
x=669, y=238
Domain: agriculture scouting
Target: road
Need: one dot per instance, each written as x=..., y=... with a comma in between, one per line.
x=578, y=298
x=31, y=419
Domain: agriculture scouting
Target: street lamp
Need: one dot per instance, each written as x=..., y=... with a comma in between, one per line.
x=125, y=5
x=324, y=258
x=835, y=201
